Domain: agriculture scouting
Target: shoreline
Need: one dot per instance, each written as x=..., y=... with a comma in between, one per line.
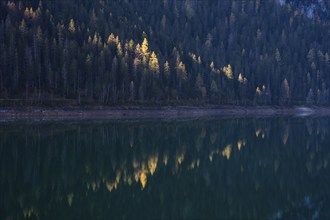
x=156, y=112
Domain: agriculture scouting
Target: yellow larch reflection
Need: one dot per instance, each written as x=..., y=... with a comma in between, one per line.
x=137, y=175
x=211, y=157
x=94, y=185
x=194, y=164
x=148, y=166
x=111, y=186
x=214, y=152
x=180, y=158
x=126, y=178
x=227, y=151
x=143, y=179
x=260, y=132
x=152, y=164
x=25, y=213
x=240, y=144
x=285, y=135
x=118, y=175
x=70, y=199
x=137, y=171
x=165, y=159
x=28, y=212
x=129, y=180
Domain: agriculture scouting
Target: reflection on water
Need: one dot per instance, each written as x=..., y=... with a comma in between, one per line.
x=268, y=168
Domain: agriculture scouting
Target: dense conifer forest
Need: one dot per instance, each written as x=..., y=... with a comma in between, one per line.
x=133, y=52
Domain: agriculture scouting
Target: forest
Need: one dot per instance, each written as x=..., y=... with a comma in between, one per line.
x=168, y=52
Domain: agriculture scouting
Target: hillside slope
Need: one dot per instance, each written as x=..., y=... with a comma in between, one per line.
x=116, y=52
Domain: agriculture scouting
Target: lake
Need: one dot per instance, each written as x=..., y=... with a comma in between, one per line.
x=225, y=168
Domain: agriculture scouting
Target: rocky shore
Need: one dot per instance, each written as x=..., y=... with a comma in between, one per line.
x=161, y=112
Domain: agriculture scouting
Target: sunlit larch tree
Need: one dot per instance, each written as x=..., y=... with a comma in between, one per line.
x=153, y=64
x=145, y=51
x=72, y=27
x=228, y=71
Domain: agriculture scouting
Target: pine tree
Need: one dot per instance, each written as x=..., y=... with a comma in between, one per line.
x=310, y=97
x=285, y=93
x=167, y=68
x=22, y=27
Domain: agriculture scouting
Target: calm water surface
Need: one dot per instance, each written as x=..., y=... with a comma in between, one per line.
x=243, y=168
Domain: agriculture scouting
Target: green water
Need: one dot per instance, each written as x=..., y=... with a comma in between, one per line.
x=241, y=168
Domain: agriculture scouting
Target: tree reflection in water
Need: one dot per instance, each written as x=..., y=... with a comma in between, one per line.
x=269, y=168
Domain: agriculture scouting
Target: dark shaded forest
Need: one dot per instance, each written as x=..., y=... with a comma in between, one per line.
x=133, y=52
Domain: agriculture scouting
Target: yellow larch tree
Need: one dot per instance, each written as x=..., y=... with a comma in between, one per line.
x=145, y=51
x=153, y=63
x=119, y=49
x=228, y=71
x=72, y=27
